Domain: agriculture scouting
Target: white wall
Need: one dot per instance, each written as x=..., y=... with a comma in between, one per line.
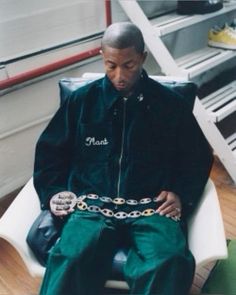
x=24, y=113
x=28, y=29
x=27, y=26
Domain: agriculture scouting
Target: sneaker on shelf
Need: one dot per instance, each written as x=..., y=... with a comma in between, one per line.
x=198, y=6
x=222, y=37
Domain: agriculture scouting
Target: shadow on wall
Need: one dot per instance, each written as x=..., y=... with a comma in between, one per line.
x=155, y=8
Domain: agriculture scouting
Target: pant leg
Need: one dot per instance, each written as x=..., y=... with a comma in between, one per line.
x=80, y=262
x=159, y=261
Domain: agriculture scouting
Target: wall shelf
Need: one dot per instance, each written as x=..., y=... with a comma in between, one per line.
x=173, y=21
x=216, y=106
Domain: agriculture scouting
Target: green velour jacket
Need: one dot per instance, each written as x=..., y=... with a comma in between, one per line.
x=100, y=142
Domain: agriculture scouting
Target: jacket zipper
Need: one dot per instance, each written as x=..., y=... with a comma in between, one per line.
x=122, y=146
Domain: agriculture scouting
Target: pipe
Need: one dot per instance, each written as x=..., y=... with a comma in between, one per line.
x=17, y=79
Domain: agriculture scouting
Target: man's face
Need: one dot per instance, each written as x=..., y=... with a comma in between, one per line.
x=123, y=67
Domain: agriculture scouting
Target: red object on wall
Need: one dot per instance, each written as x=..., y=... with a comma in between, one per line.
x=17, y=79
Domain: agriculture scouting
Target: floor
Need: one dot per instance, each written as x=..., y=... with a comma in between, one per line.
x=15, y=280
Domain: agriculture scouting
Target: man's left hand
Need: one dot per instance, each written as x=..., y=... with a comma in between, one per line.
x=171, y=205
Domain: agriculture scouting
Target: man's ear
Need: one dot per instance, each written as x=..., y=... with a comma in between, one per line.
x=144, y=56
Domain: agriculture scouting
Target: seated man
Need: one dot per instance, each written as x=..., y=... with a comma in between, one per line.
x=132, y=153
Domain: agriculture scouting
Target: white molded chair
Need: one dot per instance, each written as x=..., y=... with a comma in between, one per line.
x=206, y=231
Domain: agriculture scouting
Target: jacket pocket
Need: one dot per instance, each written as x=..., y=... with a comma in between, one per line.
x=96, y=141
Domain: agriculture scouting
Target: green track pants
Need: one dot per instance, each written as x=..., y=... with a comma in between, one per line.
x=158, y=263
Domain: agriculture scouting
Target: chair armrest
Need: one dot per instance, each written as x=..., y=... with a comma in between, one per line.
x=16, y=222
x=206, y=233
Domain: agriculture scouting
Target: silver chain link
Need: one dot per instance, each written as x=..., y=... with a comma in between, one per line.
x=82, y=205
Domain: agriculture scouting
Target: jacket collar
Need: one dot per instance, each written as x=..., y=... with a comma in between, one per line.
x=111, y=95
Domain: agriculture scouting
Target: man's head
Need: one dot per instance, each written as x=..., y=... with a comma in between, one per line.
x=123, y=54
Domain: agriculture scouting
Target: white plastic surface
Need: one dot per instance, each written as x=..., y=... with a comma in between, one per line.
x=207, y=239
x=16, y=222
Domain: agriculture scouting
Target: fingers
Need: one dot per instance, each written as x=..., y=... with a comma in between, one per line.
x=61, y=212
x=162, y=196
x=171, y=206
x=63, y=203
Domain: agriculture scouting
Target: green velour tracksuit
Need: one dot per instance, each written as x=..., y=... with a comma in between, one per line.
x=100, y=143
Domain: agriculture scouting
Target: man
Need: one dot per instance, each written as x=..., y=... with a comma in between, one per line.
x=132, y=152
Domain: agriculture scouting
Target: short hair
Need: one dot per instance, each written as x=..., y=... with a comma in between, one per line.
x=123, y=35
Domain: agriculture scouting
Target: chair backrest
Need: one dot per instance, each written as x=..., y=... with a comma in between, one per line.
x=187, y=89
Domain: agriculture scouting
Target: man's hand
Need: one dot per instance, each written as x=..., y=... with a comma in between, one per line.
x=171, y=205
x=63, y=203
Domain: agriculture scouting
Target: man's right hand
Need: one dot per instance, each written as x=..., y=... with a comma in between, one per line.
x=63, y=203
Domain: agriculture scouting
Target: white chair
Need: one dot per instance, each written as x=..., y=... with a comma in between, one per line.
x=206, y=231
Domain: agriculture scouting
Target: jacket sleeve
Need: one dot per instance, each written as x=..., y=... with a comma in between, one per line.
x=193, y=162
x=52, y=154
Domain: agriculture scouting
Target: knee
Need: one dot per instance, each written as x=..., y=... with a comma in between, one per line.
x=74, y=251
x=176, y=265
x=184, y=261
x=175, y=260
